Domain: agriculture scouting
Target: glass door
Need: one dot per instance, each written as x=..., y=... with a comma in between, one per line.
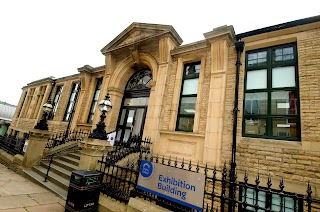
x=131, y=122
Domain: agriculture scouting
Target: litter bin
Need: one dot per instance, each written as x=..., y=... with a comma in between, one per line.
x=84, y=190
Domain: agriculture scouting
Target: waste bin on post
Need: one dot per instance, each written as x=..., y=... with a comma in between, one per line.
x=84, y=190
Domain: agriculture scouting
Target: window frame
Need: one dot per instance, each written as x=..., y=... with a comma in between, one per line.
x=99, y=80
x=59, y=89
x=184, y=77
x=268, y=117
x=268, y=196
x=74, y=101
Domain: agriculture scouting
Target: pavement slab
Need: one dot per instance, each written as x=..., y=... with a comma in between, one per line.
x=55, y=207
x=19, y=201
x=15, y=210
x=11, y=176
x=17, y=188
x=18, y=194
x=3, y=192
x=46, y=198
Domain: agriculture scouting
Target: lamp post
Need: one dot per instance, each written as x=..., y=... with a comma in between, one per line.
x=100, y=132
x=47, y=108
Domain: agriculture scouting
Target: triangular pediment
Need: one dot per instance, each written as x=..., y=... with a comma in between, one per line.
x=138, y=32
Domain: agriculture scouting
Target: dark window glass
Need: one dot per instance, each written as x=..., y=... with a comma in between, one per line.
x=94, y=101
x=72, y=101
x=269, y=200
x=55, y=102
x=188, y=98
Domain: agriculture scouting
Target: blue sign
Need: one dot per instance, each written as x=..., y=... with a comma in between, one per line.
x=146, y=169
x=177, y=185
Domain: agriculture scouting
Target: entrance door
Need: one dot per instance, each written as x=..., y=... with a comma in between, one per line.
x=134, y=105
x=131, y=122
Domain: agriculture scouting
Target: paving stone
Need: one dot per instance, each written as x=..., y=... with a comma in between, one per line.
x=17, y=188
x=55, y=207
x=19, y=201
x=14, y=210
x=3, y=192
x=45, y=198
x=11, y=177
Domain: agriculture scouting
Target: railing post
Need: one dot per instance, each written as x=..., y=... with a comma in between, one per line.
x=49, y=166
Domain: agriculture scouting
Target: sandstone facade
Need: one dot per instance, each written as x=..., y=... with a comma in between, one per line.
x=158, y=48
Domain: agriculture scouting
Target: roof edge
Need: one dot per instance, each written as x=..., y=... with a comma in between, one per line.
x=279, y=27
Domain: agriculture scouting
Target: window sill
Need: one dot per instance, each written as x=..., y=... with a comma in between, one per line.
x=85, y=125
x=272, y=143
x=182, y=133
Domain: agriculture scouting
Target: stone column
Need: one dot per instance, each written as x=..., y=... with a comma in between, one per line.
x=154, y=119
x=36, y=145
x=92, y=151
x=220, y=40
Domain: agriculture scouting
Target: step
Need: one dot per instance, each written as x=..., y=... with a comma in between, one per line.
x=56, y=169
x=52, y=177
x=65, y=165
x=74, y=155
x=70, y=160
x=37, y=178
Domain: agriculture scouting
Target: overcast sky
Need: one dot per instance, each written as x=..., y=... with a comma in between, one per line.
x=41, y=38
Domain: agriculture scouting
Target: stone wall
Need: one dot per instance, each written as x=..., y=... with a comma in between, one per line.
x=169, y=94
x=295, y=162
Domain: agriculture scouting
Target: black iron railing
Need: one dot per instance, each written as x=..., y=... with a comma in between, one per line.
x=12, y=145
x=122, y=149
x=52, y=154
x=65, y=137
x=120, y=183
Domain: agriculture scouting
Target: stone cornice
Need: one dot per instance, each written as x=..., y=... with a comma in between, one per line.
x=189, y=47
x=89, y=69
x=100, y=68
x=68, y=77
x=42, y=81
x=159, y=31
x=221, y=31
x=86, y=68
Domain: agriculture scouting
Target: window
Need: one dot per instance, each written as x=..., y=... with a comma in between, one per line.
x=271, y=99
x=16, y=134
x=72, y=101
x=38, y=101
x=269, y=199
x=55, y=102
x=94, y=101
x=26, y=106
x=188, y=97
x=24, y=98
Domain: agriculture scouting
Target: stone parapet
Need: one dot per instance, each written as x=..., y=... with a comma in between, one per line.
x=92, y=151
x=35, y=149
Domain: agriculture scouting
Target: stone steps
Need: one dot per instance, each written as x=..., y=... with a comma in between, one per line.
x=59, y=174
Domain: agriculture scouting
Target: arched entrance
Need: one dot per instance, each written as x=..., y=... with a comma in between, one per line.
x=134, y=105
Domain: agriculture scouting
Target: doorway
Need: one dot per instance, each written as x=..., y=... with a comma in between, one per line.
x=134, y=106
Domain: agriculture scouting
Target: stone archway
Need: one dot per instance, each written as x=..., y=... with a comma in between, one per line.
x=132, y=115
x=119, y=78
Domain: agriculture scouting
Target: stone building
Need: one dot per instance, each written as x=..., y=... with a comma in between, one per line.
x=183, y=97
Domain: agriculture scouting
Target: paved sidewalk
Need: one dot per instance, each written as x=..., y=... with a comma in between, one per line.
x=20, y=195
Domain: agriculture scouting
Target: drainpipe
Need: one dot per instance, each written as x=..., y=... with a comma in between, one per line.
x=239, y=48
x=232, y=191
